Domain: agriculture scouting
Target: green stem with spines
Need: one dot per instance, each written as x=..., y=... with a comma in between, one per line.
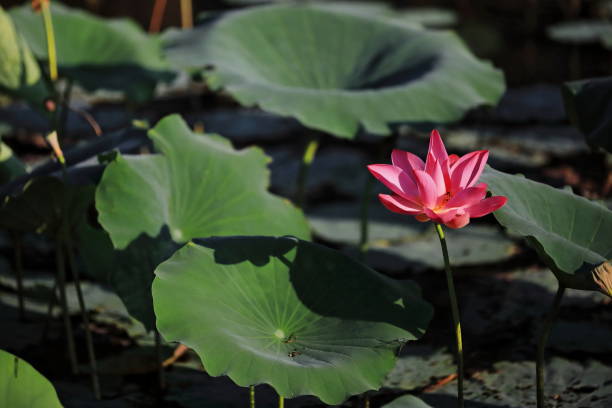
x=455, y=314
x=542, y=341
x=281, y=401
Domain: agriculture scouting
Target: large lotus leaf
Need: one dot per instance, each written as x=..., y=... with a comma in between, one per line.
x=198, y=186
x=22, y=386
x=588, y=104
x=335, y=71
x=44, y=204
x=19, y=72
x=299, y=316
x=570, y=233
x=97, y=53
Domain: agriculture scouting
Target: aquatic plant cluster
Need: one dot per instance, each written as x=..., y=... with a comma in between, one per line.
x=182, y=227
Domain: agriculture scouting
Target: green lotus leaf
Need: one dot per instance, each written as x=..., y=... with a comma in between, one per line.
x=588, y=104
x=97, y=53
x=197, y=186
x=335, y=71
x=407, y=401
x=19, y=72
x=570, y=233
x=301, y=317
x=22, y=386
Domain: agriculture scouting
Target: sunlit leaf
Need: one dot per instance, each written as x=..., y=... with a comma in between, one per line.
x=197, y=185
x=22, y=386
x=337, y=71
x=301, y=317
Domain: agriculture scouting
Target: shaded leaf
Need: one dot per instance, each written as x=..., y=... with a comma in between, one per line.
x=303, y=318
x=97, y=53
x=128, y=271
x=45, y=204
x=10, y=166
x=588, y=104
x=570, y=233
x=20, y=75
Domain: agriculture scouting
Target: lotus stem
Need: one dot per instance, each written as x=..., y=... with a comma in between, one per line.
x=93, y=366
x=251, y=396
x=49, y=315
x=364, y=213
x=61, y=283
x=281, y=401
x=51, y=50
x=548, y=323
x=186, y=14
x=17, y=246
x=307, y=158
x=455, y=314
x=366, y=401
x=157, y=16
x=161, y=378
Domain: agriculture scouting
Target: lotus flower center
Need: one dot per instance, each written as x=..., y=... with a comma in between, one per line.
x=442, y=201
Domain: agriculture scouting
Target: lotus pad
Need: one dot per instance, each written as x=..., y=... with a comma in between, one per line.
x=301, y=317
x=569, y=232
x=97, y=53
x=22, y=386
x=19, y=73
x=198, y=186
x=335, y=71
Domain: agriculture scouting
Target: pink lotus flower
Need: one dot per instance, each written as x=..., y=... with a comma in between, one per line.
x=443, y=189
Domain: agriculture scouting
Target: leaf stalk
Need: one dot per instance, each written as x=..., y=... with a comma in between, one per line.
x=455, y=315
x=547, y=325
